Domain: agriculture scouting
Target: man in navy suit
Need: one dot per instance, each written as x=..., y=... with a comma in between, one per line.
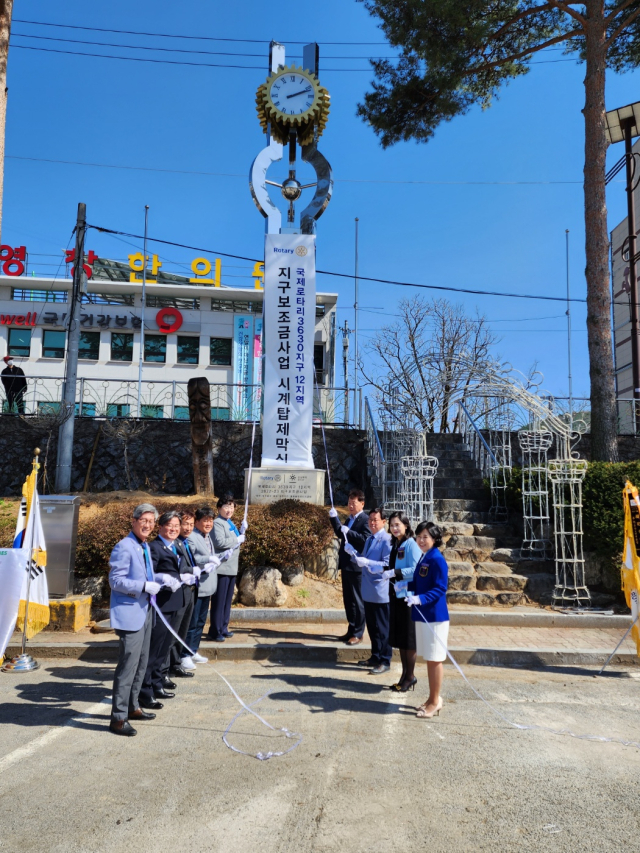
x=352, y=536
x=132, y=583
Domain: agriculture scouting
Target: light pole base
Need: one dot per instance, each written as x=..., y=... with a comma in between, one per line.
x=21, y=663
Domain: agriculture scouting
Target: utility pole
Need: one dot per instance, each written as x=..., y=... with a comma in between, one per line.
x=569, y=337
x=65, y=433
x=355, y=329
x=6, y=11
x=345, y=367
x=144, y=299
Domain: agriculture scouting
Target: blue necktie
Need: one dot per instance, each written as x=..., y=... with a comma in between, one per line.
x=147, y=562
x=186, y=545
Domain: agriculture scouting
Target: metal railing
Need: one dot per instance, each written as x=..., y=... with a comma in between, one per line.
x=475, y=442
x=376, y=456
x=168, y=399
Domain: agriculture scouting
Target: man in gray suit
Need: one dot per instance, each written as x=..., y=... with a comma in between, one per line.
x=132, y=583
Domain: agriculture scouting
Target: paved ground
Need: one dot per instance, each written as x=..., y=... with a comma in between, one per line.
x=368, y=775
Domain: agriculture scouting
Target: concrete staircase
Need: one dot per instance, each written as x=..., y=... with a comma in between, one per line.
x=485, y=567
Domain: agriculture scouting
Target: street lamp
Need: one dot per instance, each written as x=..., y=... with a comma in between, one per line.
x=624, y=124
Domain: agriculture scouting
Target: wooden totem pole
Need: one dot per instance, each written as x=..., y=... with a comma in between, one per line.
x=200, y=417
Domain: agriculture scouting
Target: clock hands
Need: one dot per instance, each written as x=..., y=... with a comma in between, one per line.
x=304, y=91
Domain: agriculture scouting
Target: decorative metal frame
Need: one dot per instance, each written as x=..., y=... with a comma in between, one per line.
x=566, y=476
x=535, y=445
x=416, y=488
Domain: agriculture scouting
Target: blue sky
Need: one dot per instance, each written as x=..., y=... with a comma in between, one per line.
x=470, y=223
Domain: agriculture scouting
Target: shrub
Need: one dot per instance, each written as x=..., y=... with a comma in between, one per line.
x=602, y=508
x=284, y=533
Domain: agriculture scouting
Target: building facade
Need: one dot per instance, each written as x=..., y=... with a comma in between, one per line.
x=190, y=329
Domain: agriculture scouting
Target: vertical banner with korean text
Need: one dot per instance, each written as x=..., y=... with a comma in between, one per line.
x=242, y=364
x=257, y=369
x=289, y=324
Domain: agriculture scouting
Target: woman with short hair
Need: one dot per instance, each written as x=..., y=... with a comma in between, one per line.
x=428, y=605
x=404, y=556
x=226, y=537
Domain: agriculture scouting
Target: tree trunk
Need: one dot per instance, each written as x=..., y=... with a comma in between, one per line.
x=6, y=11
x=604, y=444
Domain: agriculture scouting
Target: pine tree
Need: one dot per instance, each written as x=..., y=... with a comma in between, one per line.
x=458, y=53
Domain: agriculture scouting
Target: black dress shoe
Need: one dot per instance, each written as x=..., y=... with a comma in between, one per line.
x=151, y=703
x=179, y=672
x=344, y=638
x=139, y=714
x=378, y=670
x=166, y=682
x=369, y=662
x=122, y=727
x=163, y=694
x=228, y=634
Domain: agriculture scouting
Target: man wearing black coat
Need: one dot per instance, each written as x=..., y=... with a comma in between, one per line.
x=15, y=384
x=355, y=532
x=168, y=564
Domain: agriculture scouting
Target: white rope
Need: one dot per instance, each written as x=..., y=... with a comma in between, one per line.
x=521, y=726
x=261, y=756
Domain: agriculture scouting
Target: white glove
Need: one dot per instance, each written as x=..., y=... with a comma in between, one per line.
x=152, y=587
x=413, y=599
x=350, y=549
x=244, y=527
x=388, y=574
x=169, y=581
x=241, y=539
x=212, y=565
x=197, y=571
x=344, y=530
x=333, y=513
x=362, y=562
x=188, y=579
x=226, y=554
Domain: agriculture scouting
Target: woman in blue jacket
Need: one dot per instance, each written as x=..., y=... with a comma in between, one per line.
x=428, y=603
x=405, y=554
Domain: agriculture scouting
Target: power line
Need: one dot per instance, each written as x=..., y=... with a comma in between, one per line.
x=197, y=38
x=244, y=177
x=203, y=64
x=178, y=49
x=346, y=275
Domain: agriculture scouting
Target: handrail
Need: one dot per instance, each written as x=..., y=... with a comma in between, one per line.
x=480, y=436
x=373, y=428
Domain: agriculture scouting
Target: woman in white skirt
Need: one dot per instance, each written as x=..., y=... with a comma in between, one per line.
x=428, y=602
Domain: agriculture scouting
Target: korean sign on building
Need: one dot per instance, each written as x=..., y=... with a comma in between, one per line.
x=289, y=320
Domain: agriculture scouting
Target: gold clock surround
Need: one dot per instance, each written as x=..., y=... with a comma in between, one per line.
x=304, y=125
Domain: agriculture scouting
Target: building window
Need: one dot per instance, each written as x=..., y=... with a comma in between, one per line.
x=188, y=350
x=318, y=362
x=89, y=346
x=180, y=302
x=219, y=413
x=237, y=306
x=220, y=351
x=121, y=346
x=155, y=348
x=152, y=411
x=20, y=342
x=106, y=299
x=38, y=295
x=53, y=344
x=118, y=410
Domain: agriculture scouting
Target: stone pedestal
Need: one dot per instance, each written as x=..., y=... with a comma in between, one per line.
x=273, y=484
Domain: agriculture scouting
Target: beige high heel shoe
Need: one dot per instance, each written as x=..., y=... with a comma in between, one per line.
x=424, y=714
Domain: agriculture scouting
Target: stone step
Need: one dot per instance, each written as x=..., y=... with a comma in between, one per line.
x=460, y=528
x=443, y=493
x=463, y=515
x=487, y=567
x=485, y=599
x=462, y=580
x=501, y=583
x=461, y=481
x=444, y=438
x=540, y=587
x=468, y=504
x=452, y=466
x=453, y=456
x=460, y=567
x=495, y=529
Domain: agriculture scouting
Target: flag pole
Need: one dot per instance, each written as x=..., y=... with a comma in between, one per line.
x=24, y=662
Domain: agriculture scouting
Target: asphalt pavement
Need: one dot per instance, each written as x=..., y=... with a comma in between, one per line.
x=367, y=775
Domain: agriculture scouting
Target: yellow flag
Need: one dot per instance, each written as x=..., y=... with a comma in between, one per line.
x=630, y=559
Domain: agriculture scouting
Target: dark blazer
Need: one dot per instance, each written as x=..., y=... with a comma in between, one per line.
x=358, y=534
x=166, y=562
x=186, y=554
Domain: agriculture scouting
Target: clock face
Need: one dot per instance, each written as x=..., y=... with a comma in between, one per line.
x=292, y=93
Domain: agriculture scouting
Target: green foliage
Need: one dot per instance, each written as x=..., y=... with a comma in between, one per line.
x=602, y=511
x=457, y=53
x=285, y=533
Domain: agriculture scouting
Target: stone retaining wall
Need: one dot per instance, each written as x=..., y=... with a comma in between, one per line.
x=160, y=456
